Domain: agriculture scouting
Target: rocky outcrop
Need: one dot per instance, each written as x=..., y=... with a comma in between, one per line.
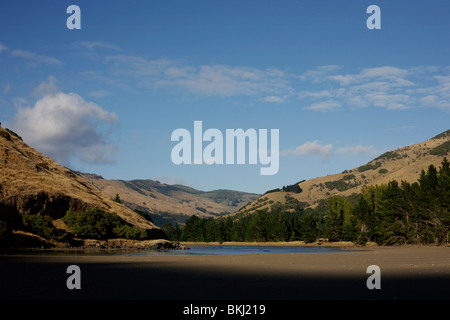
x=122, y=244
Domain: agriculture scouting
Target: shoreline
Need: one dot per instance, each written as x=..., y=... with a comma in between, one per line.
x=275, y=244
x=420, y=272
x=338, y=244
x=115, y=245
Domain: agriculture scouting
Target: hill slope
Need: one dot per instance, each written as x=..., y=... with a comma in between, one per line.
x=170, y=203
x=401, y=164
x=33, y=184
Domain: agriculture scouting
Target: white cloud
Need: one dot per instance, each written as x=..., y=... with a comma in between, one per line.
x=99, y=93
x=36, y=58
x=324, y=106
x=64, y=126
x=91, y=45
x=355, y=150
x=387, y=87
x=369, y=74
x=320, y=73
x=273, y=99
x=311, y=148
x=217, y=80
x=401, y=128
x=48, y=87
x=3, y=48
x=6, y=88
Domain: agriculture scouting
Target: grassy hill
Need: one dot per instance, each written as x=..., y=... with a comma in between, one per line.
x=36, y=193
x=403, y=163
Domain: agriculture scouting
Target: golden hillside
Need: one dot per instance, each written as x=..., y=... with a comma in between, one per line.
x=401, y=164
x=31, y=183
x=170, y=203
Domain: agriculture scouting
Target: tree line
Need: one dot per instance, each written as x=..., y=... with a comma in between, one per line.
x=393, y=213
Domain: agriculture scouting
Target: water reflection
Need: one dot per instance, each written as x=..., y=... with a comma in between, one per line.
x=232, y=250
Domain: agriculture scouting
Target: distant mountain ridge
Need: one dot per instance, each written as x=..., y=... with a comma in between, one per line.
x=170, y=203
x=403, y=163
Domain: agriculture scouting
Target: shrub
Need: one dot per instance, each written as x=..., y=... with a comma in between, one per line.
x=41, y=225
x=441, y=150
x=144, y=214
x=293, y=187
x=382, y=171
x=340, y=184
x=5, y=135
x=389, y=155
x=98, y=224
x=272, y=190
x=369, y=167
x=5, y=232
x=13, y=133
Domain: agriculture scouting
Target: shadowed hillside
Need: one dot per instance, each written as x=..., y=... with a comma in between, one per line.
x=33, y=185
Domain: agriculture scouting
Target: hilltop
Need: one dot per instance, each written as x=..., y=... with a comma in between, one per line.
x=33, y=185
x=170, y=203
x=402, y=164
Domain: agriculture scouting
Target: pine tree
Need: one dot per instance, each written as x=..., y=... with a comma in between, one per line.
x=117, y=199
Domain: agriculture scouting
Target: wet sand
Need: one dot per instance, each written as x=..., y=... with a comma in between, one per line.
x=407, y=273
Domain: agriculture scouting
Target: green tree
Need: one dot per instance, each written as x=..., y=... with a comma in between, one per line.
x=338, y=218
x=117, y=199
x=308, y=228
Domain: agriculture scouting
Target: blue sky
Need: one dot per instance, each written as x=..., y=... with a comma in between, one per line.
x=106, y=98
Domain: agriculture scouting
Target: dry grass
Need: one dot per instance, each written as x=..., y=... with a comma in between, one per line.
x=412, y=159
x=26, y=172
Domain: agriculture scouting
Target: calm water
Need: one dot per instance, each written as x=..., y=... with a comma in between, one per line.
x=221, y=250
x=197, y=251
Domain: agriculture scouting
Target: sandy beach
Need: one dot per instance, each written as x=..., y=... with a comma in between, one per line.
x=407, y=273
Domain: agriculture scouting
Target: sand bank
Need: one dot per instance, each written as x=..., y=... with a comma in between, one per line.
x=406, y=273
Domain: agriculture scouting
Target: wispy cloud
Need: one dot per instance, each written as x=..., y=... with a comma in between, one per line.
x=324, y=106
x=322, y=89
x=3, y=48
x=210, y=80
x=402, y=128
x=91, y=45
x=325, y=151
x=311, y=148
x=273, y=99
x=36, y=58
x=388, y=87
x=99, y=93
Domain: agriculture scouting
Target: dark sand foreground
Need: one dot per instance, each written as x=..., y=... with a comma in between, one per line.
x=406, y=273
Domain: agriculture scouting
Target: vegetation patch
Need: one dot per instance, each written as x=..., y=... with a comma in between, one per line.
x=289, y=188
x=390, y=155
x=98, y=224
x=341, y=184
x=396, y=213
x=41, y=225
x=5, y=135
x=369, y=166
x=441, y=150
x=272, y=190
x=443, y=135
x=42, y=165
